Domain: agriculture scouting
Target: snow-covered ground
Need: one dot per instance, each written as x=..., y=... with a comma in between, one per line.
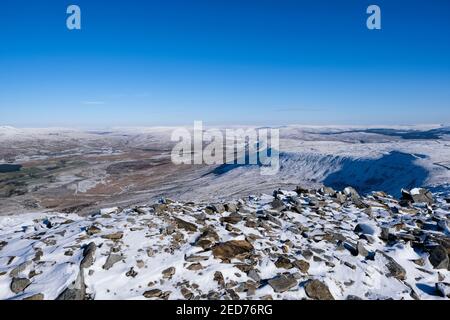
x=293, y=245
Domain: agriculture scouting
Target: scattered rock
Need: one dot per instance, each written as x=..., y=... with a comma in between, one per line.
x=317, y=290
x=187, y=294
x=185, y=225
x=439, y=257
x=284, y=262
x=76, y=291
x=418, y=195
x=131, y=273
x=195, y=266
x=395, y=270
x=277, y=205
x=253, y=274
x=112, y=260
x=238, y=249
x=217, y=208
x=232, y=218
x=218, y=277
x=283, y=283
x=362, y=251
x=153, y=293
x=113, y=236
x=88, y=255
x=19, y=284
x=230, y=207
x=168, y=273
x=93, y=230
x=35, y=297
x=19, y=269
x=302, y=265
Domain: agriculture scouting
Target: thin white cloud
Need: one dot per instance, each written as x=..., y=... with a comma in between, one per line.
x=93, y=103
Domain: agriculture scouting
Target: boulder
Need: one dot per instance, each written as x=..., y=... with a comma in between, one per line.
x=232, y=218
x=395, y=269
x=418, y=195
x=93, y=230
x=355, y=197
x=283, y=262
x=217, y=208
x=231, y=207
x=185, y=225
x=113, y=236
x=302, y=265
x=232, y=249
x=153, y=293
x=88, y=255
x=283, y=283
x=76, y=290
x=112, y=260
x=35, y=297
x=19, y=269
x=207, y=239
x=168, y=273
x=317, y=290
x=439, y=257
x=19, y=284
x=277, y=205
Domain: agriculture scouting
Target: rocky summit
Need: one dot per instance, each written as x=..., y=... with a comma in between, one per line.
x=303, y=244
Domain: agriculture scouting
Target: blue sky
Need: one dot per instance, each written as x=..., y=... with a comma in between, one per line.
x=224, y=62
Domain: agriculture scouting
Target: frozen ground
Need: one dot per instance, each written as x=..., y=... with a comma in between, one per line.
x=305, y=244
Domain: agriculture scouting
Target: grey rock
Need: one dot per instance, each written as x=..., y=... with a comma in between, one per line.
x=418, y=195
x=253, y=274
x=284, y=262
x=88, y=255
x=19, y=284
x=439, y=257
x=362, y=251
x=355, y=197
x=153, y=293
x=218, y=208
x=218, y=277
x=19, y=269
x=35, y=297
x=75, y=291
x=231, y=207
x=168, y=273
x=185, y=225
x=317, y=290
x=277, y=205
x=232, y=218
x=302, y=265
x=113, y=236
x=283, y=283
x=232, y=249
x=328, y=191
x=395, y=270
x=112, y=260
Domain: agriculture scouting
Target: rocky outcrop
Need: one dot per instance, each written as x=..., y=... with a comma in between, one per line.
x=301, y=244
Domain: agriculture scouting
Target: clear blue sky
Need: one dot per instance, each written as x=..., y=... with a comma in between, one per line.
x=224, y=62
